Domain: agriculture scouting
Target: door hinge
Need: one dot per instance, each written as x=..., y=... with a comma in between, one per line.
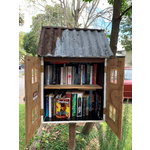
x=105, y=69
x=41, y=112
x=42, y=68
x=104, y=110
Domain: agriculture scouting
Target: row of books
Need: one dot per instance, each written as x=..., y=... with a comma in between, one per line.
x=69, y=75
x=74, y=104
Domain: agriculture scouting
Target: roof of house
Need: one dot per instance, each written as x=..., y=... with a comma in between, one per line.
x=73, y=42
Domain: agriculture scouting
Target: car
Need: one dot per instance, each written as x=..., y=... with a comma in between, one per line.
x=128, y=83
x=19, y=66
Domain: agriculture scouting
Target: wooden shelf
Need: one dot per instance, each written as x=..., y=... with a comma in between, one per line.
x=80, y=87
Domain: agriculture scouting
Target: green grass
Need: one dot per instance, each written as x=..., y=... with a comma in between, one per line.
x=23, y=74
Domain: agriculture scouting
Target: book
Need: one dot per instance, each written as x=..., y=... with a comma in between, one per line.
x=68, y=95
x=81, y=74
x=50, y=104
x=54, y=74
x=83, y=80
x=75, y=74
x=79, y=104
x=64, y=74
x=74, y=101
x=91, y=75
x=47, y=74
x=94, y=73
x=50, y=74
x=58, y=75
x=69, y=74
x=90, y=103
x=88, y=74
x=87, y=104
x=63, y=108
x=85, y=73
x=93, y=104
x=84, y=105
x=99, y=106
x=61, y=80
x=46, y=106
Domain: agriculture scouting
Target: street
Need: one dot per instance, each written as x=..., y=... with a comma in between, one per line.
x=21, y=86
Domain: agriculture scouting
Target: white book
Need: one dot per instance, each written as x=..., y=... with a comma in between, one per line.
x=73, y=75
x=81, y=74
x=50, y=104
x=69, y=74
x=79, y=104
x=47, y=74
x=91, y=75
x=64, y=74
x=61, y=80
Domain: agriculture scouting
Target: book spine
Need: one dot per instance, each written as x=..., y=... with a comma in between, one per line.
x=79, y=105
x=61, y=80
x=68, y=95
x=87, y=105
x=94, y=73
x=50, y=106
x=50, y=74
x=88, y=74
x=91, y=75
x=46, y=106
x=64, y=74
x=54, y=107
x=54, y=74
x=81, y=74
x=83, y=81
x=69, y=75
x=57, y=75
x=47, y=74
x=75, y=75
x=84, y=107
x=99, y=106
x=93, y=102
x=90, y=102
x=74, y=100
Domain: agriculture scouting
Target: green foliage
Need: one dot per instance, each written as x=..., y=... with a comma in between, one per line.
x=30, y=43
x=21, y=18
x=88, y=1
x=21, y=50
x=110, y=141
x=126, y=30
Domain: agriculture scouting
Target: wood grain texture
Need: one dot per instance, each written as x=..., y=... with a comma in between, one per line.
x=72, y=135
x=87, y=128
x=84, y=87
x=114, y=95
x=30, y=128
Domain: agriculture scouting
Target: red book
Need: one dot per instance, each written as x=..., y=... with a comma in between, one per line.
x=94, y=73
x=68, y=95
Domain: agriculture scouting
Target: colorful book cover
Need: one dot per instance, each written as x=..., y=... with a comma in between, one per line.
x=91, y=75
x=46, y=106
x=63, y=108
x=83, y=80
x=88, y=74
x=79, y=73
x=84, y=105
x=68, y=95
x=61, y=80
x=75, y=70
x=74, y=101
x=69, y=75
x=79, y=104
x=94, y=73
x=50, y=104
x=87, y=104
x=90, y=102
x=64, y=74
x=54, y=74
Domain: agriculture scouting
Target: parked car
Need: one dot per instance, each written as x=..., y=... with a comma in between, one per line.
x=128, y=83
x=19, y=66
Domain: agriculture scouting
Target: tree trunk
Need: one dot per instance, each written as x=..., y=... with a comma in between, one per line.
x=72, y=135
x=115, y=26
x=87, y=128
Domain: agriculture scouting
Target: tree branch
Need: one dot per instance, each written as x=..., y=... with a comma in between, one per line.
x=125, y=11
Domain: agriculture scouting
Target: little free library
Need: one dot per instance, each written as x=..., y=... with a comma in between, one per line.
x=72, y=80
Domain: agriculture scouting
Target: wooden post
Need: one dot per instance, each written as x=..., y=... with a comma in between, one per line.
x=87, y=128
x=72, y=135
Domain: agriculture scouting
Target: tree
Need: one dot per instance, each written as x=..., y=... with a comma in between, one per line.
x=30, y=43
x=21, y=50
x=126, y=30
x=21, y=17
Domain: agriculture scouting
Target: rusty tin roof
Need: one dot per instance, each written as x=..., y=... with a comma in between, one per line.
x=73, y=42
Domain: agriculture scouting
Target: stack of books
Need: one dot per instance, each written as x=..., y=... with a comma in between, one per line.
x=72, y=105
x=70, y=74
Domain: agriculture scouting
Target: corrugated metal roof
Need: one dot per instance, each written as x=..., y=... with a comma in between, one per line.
x=73, y=42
